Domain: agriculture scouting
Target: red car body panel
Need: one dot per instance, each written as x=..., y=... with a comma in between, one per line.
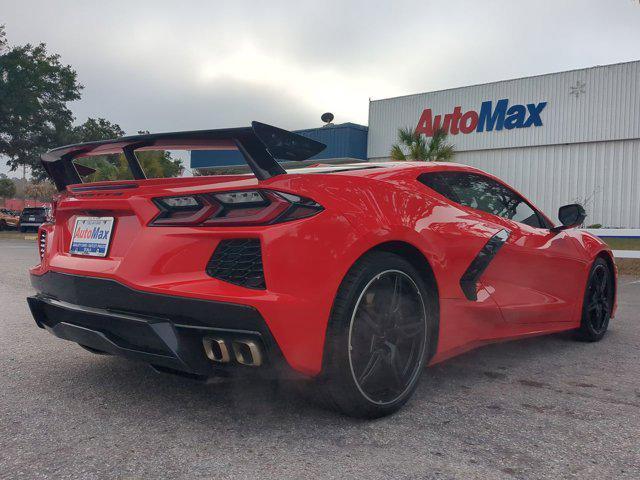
x=535, y=284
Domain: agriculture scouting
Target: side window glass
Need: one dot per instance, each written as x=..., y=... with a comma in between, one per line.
x=473, y=192
x=525, y=214
x=482, y=193
x=437, y=182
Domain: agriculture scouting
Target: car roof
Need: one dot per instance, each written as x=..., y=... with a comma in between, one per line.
x=373, y=169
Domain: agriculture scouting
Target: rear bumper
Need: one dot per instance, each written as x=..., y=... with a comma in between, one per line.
x=162, y=330
x=30, y=224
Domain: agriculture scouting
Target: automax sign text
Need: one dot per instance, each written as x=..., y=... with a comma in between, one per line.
x=490, y=118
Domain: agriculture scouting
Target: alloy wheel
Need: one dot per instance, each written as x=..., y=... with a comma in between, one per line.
x=387, y=337
x=599, y=299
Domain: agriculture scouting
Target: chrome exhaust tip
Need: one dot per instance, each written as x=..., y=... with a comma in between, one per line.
x=247, y=352
x=216, y=349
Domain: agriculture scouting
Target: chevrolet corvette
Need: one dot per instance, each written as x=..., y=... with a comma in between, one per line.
x=354, y=277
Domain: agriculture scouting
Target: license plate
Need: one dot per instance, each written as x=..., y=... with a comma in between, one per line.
x=32, y=219
x=91, y=236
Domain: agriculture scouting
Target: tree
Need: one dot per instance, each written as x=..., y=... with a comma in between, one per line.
x=94, y=129
x=159, y=164
x=155, y=163
x=435, y=150
x=7, y=187
x=34, y=90
x=3, y=39
x=42, y=191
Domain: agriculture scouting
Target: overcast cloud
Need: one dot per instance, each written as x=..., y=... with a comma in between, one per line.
x=161, y=66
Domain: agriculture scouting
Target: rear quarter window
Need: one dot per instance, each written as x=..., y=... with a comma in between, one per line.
x=485, y=194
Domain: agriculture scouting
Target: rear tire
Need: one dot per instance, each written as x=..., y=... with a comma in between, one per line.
x=23, y=229
x=379, y=337
x=598, y=302
x=3, y=225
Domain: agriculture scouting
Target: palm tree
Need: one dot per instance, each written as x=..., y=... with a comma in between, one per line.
x=435, y=150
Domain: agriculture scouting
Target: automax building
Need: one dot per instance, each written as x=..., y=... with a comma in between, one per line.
x=559, y=138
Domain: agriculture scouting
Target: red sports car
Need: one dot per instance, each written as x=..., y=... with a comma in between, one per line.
x=354, y=276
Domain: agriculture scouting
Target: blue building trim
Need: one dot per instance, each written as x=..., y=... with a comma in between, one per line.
x=216, y=158
x=346, y=140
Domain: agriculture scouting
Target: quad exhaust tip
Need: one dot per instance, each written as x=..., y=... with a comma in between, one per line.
x=216, y=349
x=245, y=352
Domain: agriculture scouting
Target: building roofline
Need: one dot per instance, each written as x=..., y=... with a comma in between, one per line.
x=356, y=126
x=504, y=81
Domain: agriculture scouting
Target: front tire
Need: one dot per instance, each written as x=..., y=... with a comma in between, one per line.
x=379, y=337
x=598, y=302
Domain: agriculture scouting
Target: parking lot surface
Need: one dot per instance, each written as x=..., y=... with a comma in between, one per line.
x=546, y=407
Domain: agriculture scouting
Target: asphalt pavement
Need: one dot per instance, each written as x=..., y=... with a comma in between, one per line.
x=547, y=407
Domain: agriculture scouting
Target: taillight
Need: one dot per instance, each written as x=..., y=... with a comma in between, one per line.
x=42, y=243
x=238, y=208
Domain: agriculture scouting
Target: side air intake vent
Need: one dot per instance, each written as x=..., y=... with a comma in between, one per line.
x=238, y=261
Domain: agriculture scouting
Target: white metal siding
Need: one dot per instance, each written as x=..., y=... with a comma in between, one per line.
x=609, y=109
x=604, y=176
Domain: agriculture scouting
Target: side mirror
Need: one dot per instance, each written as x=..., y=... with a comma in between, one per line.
x=570, y=216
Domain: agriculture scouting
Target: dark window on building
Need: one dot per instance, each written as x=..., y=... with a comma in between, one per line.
x=483, y=193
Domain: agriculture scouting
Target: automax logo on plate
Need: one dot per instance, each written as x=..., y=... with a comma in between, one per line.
x=95, y=233
x=489, y=118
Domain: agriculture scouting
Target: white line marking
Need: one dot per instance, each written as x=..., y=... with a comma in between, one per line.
x=626, y=253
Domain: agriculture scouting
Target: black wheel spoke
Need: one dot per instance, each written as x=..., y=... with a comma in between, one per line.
x=370, y=322
x=372, y=365
x=603, y=285
x=410, y=330
x=394, y=305
x=395, y=368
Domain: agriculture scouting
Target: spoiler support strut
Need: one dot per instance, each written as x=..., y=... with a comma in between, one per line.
x=261, y=163
x=132, y=160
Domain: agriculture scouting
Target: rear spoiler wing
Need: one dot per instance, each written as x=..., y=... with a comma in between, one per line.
x=260, y=145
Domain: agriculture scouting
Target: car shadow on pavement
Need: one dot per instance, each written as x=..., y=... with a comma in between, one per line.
x=120, y=386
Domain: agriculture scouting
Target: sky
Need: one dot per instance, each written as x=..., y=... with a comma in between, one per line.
x=168, y=65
